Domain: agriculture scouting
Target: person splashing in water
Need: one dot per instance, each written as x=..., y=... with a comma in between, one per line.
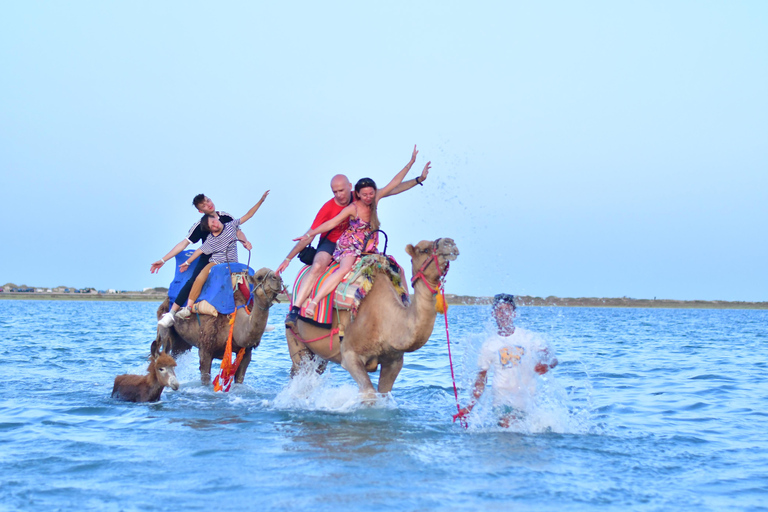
x=516, y=356
x=363, y=220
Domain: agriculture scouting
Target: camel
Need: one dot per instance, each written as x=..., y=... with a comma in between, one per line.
x=149, y=387
x=384, y=329
x=209, y=334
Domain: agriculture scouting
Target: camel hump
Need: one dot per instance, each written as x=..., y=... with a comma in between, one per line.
x=353, y=287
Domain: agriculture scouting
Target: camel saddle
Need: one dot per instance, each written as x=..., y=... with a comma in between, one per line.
x=217, y=295
x=353, y=288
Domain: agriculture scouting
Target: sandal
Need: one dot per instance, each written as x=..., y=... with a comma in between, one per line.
x=309, y=311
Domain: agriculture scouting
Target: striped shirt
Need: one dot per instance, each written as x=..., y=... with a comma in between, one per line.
x=219, y=246
x=197, y=234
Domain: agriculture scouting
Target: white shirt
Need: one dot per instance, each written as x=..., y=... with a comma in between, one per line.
x=513, y=359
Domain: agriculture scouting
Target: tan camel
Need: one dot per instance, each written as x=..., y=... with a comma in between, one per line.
x=210, y=333
x=383, y=329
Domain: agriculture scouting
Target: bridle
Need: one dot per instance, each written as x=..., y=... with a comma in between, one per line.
x=419, y=274
x=264, y=290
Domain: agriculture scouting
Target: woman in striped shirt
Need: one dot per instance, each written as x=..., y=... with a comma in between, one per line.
x=219, y=245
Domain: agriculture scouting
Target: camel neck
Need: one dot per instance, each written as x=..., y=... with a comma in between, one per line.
x=422, y=316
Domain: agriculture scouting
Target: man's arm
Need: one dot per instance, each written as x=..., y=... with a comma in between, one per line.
x=408, y=185
x=301, y=244
x=155, y=267
x=477, y=392
x=546, y=362
x=253, y=210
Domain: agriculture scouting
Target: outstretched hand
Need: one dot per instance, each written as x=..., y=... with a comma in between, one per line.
x=156, y=266
x=183, y=267
x=415, y=152
x=263, y=197
x=302, y=237
x=542, y=368
x=281, y=268
x=425, y=172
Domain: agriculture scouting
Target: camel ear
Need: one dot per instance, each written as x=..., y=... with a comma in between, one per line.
x=410, y=251
x=261, y=274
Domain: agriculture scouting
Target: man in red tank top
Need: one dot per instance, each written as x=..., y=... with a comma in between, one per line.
x=342, y=196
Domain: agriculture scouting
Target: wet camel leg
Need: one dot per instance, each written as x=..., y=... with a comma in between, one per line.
x=388, y=374
x=205, y=367
x=240, y=373
x=356, y=368
x=298, y=351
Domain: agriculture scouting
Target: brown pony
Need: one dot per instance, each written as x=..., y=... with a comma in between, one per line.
x=148, y=388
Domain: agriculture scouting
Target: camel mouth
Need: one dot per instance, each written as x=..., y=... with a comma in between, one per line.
x=451, y=256
x=271, y=283
x=448, y=250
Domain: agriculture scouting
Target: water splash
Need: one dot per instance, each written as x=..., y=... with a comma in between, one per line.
x=552, y=409
x=309, y=390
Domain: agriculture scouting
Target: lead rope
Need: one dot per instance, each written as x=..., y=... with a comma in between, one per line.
x=462, y=419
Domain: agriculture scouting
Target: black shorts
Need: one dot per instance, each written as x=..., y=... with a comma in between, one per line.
x=326, y=245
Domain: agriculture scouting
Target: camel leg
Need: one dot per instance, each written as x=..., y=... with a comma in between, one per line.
x=388, y=374
x=356, y=368
x=205, y=367
x=240, y=373
x=178, y=345
x=300, y=354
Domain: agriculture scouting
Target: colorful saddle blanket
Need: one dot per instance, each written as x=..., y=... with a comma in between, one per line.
x=353, y=288
x=218, y=288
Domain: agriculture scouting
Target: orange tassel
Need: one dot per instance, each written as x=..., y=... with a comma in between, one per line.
x=441, y=306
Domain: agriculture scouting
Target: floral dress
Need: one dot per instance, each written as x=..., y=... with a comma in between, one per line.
x=351, y=241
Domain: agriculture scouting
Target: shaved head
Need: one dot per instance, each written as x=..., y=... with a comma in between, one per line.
x=340, y=180
x=342, y=189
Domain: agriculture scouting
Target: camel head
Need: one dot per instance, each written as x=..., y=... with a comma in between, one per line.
x=266, y=286
x=163, y=365
x=430, y=260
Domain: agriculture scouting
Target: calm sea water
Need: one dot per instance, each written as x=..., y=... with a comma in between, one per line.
x=648, y=410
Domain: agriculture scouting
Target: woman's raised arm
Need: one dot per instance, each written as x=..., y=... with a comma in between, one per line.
x=330, y=224
x=385, y=191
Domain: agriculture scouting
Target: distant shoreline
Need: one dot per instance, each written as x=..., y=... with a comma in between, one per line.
x=453, y=300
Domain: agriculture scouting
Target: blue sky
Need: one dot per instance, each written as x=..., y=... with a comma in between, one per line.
x=578, y=148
